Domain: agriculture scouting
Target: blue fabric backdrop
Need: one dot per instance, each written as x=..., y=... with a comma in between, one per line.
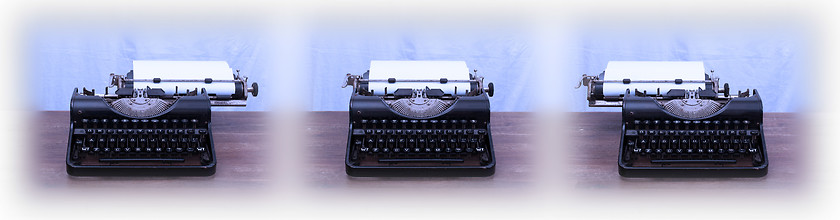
x=502, y=57
x=64, y=58
x=770, y=60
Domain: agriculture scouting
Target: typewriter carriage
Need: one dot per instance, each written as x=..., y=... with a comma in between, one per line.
x=418, y=103
x=595, y=85
x=359, y=84
x=124, y=88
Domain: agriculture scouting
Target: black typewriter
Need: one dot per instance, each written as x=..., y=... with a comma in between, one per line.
x=669, y=130
x=419, y=127
x=149, y=131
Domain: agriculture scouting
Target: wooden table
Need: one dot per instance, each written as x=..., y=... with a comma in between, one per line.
x=591, y=146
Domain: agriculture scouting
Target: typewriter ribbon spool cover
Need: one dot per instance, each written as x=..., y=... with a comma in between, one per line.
x=678, y=121
x=153, y=121
x=419, y=118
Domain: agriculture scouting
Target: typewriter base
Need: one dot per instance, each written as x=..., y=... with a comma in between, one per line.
x=140, y=171
x=358, y=171
x=670, y=172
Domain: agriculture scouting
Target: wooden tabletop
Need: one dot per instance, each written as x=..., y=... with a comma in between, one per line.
x=590, y=146
x=583, y=152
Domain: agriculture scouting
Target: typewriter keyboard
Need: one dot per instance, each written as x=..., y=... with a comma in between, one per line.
x=420, y=143
x=692, y=143
x=141, y=142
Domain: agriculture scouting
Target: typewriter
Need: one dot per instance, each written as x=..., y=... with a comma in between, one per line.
x=677, y=121
x=419, y=118
x=155, y=120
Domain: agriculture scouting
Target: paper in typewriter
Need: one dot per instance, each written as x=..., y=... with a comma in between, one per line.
x=194, y=70
x=422, y=70
x=652, y=70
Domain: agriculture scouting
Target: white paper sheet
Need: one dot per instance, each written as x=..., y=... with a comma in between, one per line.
x=652, y=70
x=432, y=70
x=216, y=70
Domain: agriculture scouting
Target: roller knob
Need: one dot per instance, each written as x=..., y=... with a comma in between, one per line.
x=726, y=89
x=489, y=89
x=255, y=89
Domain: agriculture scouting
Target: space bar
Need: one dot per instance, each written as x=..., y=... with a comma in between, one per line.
x=141, y=160
x=409, y=160
x=693, y=161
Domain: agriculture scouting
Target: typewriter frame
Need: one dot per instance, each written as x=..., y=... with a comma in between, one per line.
x=371, y=102
x=197, y=105
x=740, y=107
